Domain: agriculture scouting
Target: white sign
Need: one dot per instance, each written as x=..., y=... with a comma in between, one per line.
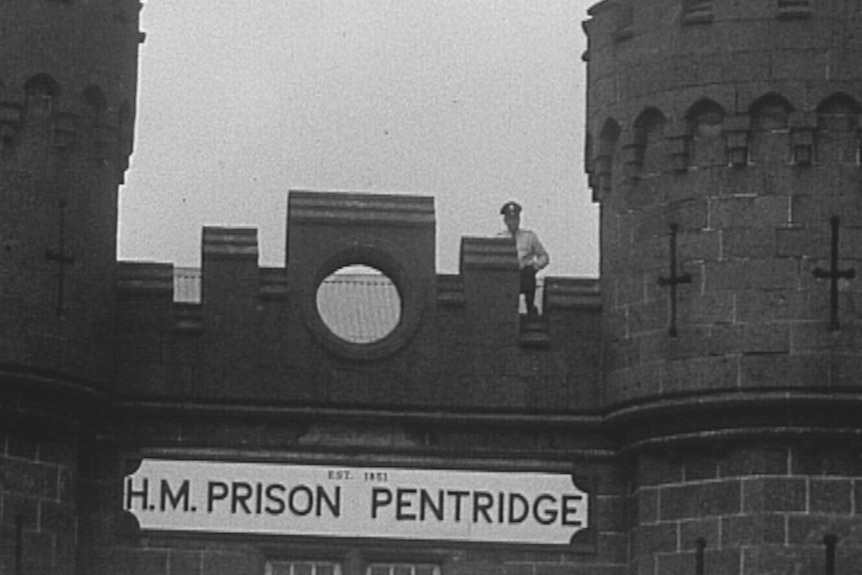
x=390, y=503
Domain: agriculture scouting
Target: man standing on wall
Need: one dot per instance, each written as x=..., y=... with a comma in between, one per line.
x=531, y=253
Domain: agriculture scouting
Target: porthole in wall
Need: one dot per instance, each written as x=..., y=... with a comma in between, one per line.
x=359, y=304
x=362, y=303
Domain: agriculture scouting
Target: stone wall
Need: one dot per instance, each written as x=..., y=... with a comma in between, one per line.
x=736, y=129
x=38, y=503
x=758, y=508
x=257, y=332
x=724, y=146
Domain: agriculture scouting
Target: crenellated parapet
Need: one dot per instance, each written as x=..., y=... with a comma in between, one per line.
x=75, y=102
x=259, y=332
x=724, y=147
x=68, y=82
x=41, y=123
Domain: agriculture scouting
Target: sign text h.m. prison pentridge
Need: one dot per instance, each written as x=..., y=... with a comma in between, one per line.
x=355, y=502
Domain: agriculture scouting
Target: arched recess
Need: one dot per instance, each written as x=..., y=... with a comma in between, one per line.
x=770, y=113
x=41, y=92
x=604, y=163
x=705, y=121
x=648, y=140
x=770, y=137
x=837, y=136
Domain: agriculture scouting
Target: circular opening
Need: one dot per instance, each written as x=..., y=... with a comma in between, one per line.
x=359, y=304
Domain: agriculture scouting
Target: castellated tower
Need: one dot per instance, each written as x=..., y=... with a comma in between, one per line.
x=724, y=151
x=67, y=105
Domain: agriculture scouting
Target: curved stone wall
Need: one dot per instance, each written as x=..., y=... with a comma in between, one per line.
x=732, y=131
x=67, y=101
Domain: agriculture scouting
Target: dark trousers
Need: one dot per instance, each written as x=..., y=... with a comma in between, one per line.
x=528, y=288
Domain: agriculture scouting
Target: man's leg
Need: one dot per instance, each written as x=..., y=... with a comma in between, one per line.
x=528, y=288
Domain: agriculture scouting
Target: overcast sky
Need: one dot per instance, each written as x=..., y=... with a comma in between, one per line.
x=473, y=102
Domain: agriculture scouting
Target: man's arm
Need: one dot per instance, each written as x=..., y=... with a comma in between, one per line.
x=540, y=256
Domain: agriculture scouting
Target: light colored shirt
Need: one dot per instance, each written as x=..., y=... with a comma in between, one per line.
x=530, y=249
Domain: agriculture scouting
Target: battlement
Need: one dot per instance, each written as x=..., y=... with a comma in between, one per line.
x=666, y=74
x=455, y=338
x=57, y=102
x=68, y=83
x=724, y=147
x=702, y=398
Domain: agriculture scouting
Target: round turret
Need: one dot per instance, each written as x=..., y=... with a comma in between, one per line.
x=67, y=106
x=67, y=101
x=724, y=149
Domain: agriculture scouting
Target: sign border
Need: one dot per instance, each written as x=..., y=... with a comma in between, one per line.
x=582, y=541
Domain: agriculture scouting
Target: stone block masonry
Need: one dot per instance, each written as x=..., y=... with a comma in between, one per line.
x=753, y=224
x=459, y=342
x=38, y=507
x=750, y=507
x=704, y=392
x=725, y=149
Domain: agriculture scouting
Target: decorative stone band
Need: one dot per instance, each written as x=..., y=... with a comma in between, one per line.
x=352, y=208
x=572, y=293
x=489, y=253
x=791, y=9
x=697, y=12
x=188, y=318
x=47, y=401
x=145, y=278
x=230, y=242
x=533, y=331
x=450, y=290
x=273, y=283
